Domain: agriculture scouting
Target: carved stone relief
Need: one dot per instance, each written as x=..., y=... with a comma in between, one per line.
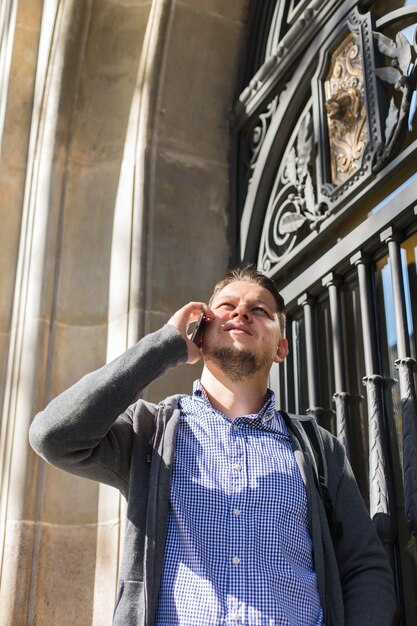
x=345, y=109
x=293, y=210
x=359, y=117
x=314, y=177
x=259, y=133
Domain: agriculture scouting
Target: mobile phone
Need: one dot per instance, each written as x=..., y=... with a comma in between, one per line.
x=197, y=335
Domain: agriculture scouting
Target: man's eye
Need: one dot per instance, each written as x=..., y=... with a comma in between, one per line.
x=259, y=308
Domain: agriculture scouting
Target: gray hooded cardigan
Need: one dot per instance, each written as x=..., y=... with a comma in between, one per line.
x=98, y=430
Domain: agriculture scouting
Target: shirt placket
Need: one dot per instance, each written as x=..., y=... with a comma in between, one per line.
x=237, y=539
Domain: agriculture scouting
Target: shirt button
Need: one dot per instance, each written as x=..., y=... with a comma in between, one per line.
x=236, y=617
x=236, y=560
x=237, y=467
x=237, y=512
x=235, y=427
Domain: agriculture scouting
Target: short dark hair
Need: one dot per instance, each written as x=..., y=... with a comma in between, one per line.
x=249, y=274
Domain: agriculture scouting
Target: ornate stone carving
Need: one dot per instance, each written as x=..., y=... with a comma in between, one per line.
x=259, y=132
x=345, y=109
x=402, y=74
x=287, y=29
x=293, y=209
x=315, y=180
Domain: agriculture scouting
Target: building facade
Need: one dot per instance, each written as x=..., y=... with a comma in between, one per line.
x=147, y=145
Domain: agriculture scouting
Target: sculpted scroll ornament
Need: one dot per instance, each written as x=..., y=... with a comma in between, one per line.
x=293, y=204
x=402, y=74
x=259, y=133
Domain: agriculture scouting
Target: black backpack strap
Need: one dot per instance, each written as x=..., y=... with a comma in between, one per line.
x=316, y=450
x=316, y=442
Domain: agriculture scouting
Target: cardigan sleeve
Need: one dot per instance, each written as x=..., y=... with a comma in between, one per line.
x=87, y=430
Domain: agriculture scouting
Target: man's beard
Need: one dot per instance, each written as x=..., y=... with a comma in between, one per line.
x=236, y=364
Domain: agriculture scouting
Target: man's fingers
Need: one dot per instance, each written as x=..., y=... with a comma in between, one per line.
x=189, y=313
x=182, y=319
x=193, y=309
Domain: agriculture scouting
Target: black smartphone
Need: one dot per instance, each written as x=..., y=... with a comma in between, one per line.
x=196, y=337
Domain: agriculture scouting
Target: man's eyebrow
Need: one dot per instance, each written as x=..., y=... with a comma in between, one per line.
x=224, y=296
x=230, y=296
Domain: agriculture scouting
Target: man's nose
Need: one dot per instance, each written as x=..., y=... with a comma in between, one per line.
x=241, y=312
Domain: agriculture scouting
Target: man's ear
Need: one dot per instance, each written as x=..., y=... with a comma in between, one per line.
x=282, y=350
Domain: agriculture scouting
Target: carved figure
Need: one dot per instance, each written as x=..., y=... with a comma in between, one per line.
x=345, y=108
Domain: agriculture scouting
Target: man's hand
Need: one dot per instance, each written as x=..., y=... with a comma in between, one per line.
x=183, y=318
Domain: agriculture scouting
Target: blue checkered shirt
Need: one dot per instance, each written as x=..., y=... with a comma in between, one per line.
x=238, y=547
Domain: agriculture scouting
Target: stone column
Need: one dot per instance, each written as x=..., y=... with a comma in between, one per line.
x=27, y=369
x=124, y=218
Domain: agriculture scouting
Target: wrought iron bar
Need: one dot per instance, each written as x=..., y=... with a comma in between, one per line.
x=380, y=482
x=311, y=352
x=296, y=365
x=405, y=365
x=340, y=397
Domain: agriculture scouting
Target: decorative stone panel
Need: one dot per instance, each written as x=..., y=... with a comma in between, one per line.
x=346, y=110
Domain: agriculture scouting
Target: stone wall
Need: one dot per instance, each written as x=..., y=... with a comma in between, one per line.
x=113, y=203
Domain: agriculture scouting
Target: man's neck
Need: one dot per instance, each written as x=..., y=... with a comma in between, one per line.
x=234, y=399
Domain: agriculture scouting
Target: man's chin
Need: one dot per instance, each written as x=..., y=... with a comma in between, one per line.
x=236, y=362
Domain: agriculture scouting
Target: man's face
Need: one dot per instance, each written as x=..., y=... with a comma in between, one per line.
x=245, y=334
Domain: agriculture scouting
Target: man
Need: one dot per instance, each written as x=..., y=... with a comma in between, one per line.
x=225, y=524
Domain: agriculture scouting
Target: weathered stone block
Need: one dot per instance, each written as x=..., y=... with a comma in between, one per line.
x=77, y=351
x=86, y=244
x=16, y=572
x=108, y=79
x=68, y=499
x=232, y=10
x=65, y=575
x=197, y=89
x=189, y=250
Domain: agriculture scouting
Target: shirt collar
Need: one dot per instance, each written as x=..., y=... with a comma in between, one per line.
x=268, y=417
